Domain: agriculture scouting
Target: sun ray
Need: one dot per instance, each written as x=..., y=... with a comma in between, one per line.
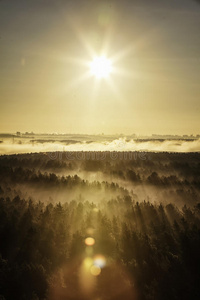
x=75, y=82
x=123, y=53
x=114, y=89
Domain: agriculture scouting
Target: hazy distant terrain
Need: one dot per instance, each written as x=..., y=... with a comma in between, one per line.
x=24, y=143
x=100, y=225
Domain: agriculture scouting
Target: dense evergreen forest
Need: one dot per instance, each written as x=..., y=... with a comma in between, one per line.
x=100, y=225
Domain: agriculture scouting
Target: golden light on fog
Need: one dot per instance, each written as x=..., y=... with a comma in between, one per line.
x=101, y=67
x=89, y=250
x=90, y=231
x=88, y=262
x=89, y=241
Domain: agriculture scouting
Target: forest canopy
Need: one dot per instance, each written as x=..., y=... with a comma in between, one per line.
x=125, y=226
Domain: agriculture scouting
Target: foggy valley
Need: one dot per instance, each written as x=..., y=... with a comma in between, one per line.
x=75, y=224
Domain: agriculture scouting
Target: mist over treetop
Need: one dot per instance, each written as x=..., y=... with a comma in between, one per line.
x=30, y=142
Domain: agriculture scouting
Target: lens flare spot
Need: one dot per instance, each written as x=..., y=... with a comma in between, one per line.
x=89, y=241
x=95, y=270
x=99, y=261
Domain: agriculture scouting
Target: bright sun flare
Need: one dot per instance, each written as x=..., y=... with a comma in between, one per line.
x=100, y=67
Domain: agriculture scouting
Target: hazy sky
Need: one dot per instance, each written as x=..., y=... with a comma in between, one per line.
x=154, y=46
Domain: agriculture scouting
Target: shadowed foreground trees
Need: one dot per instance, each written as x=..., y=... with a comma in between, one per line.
x=125, y=227
x=151, y=251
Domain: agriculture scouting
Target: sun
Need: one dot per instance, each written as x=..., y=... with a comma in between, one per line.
x=100, y=67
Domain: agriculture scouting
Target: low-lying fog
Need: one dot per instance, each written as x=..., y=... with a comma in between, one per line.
x=27, y=145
